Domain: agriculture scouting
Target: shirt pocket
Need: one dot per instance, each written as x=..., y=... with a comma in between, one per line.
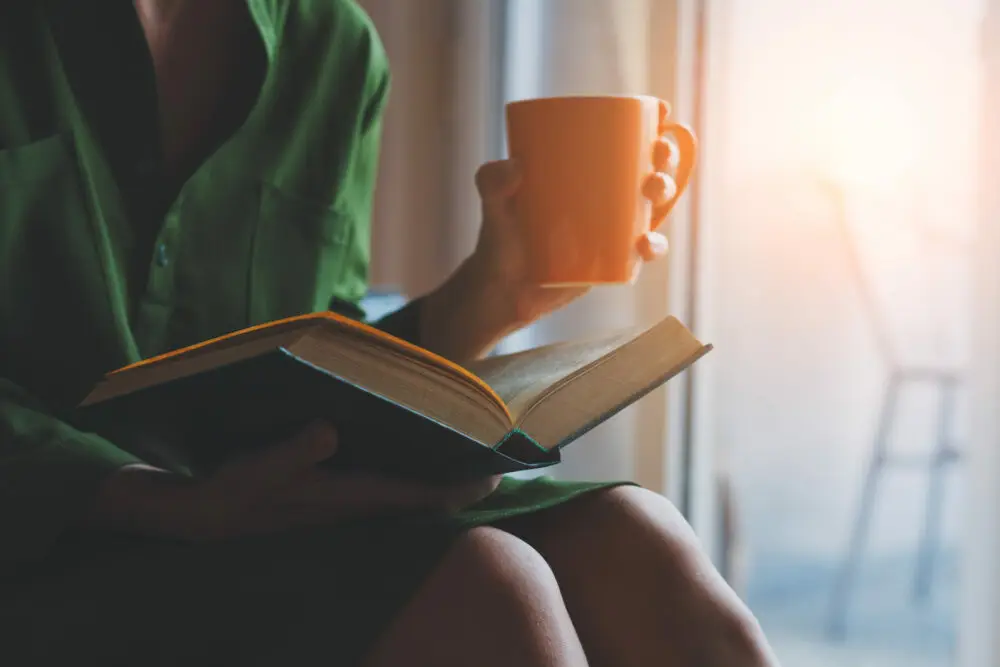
x=30, y=173
x=299, y=253
x=51, y=271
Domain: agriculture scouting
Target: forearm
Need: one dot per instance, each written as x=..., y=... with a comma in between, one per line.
x=49, y=471
x=467, y=316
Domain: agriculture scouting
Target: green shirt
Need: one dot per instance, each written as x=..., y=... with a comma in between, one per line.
x=98, y=268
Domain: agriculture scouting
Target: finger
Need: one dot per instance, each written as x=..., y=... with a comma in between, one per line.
x=350, y=493
x=472, y=492
x=267, y=519
x=659, y=188
x=664, y=155
x=275, y=515
x=261, y=472
x=496, y=182
x=340, y=495
x=653, y=246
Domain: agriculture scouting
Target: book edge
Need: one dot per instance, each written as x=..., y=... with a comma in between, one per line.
x=301, y=360
x=633, y=398
x=585, y=370
x=352, y=326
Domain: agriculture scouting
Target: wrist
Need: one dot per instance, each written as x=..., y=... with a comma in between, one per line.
x=469, y=313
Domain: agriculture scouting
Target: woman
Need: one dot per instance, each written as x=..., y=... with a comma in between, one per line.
x=176, y=170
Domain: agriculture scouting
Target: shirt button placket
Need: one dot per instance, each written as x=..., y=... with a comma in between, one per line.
x=162, y=255
x=158, y=302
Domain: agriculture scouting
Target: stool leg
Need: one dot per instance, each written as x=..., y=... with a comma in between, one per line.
x=844, y=582
x=931, y=531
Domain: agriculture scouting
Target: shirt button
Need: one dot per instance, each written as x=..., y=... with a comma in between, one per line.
x=162, y=256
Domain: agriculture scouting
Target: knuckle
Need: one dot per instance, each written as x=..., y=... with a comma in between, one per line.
x=209, y=514
x=493, y=176
x=523, y=310
x=484, y=176
x=653, y=186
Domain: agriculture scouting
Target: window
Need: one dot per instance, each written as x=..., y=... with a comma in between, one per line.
x=840, y=260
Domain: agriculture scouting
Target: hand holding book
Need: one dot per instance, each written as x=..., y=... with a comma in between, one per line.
x=399, y=409
x=273, y=489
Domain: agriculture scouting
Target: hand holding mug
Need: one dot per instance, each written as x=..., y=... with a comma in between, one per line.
x=579, y=204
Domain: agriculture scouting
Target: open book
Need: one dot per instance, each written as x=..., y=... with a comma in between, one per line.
x=397, y=408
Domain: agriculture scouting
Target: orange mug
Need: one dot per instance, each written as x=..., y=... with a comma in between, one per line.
x=583, y=163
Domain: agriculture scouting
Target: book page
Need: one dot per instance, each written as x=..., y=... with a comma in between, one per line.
x=348, y=341
x=611, y=383
x=522, y=378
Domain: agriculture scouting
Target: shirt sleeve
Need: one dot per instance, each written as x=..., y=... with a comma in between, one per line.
x=403, y=323
x=49, y=471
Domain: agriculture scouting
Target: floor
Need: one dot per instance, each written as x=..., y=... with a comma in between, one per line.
x=885, y=628
x=794, y=652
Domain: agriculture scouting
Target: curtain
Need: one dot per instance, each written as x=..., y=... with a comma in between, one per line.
x=455, y=62
x=979, y=614
x=438, y=128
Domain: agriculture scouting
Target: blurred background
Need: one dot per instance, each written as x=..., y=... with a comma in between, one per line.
x=838, y=452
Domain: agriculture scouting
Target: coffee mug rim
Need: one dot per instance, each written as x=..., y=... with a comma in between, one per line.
x=573, y=98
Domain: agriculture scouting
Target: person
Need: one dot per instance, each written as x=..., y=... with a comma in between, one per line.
x=172, y=170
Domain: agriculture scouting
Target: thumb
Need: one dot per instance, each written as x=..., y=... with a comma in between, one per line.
x=263, y=471
x=496, y=182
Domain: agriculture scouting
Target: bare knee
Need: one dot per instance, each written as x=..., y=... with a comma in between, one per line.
x=642, y=538
x=625, y=507
x=494, y=557
x=492, y=600
x=504, y=579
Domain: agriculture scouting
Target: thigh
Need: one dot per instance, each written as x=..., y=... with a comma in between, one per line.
x=491, y=602
x=320, y=597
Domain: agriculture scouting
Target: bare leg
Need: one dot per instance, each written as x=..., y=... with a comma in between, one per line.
x=638, y=587
x=492, y=601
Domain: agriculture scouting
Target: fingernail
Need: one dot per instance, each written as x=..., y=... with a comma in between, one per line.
x=323, y=435
x=669, y=188
x=658, y=244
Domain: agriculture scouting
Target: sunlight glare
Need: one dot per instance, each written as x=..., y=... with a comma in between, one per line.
x=868, y=135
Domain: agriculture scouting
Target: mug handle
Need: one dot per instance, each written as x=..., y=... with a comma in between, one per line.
x=688, y=149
